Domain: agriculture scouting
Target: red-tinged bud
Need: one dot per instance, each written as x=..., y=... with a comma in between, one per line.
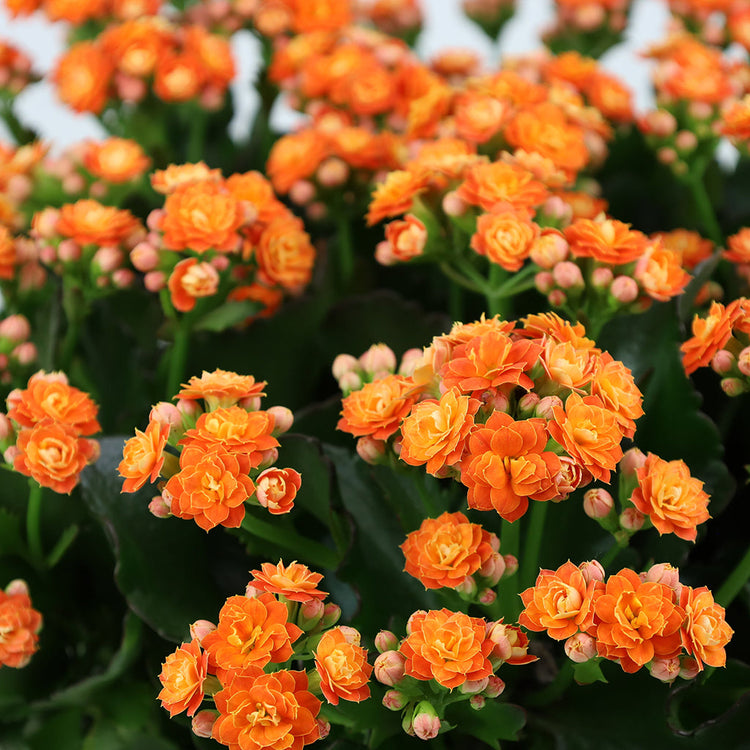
x=69, y=251
x=302, y=192
x=203, y=723
x=200, y=629
x=631, y=519
x=331, y=615
x=723, y=361
x=370, y=450
x=495, y=400
x=159, y=507
x=324, y=727
x=386, y=640
x=378, y=358
x=144, y=257
x=409, y=361
x=467, y=589
x=250, y=403
x=486, y=596
x=220, y=262
x=495, y=686
x=527, y=404
x=166, y=414
x=686, y=140
x=283, y=419
x=544, y=282
x=632, y=460
x=592, y=570
x=664, y=573
x=557, y=298
x=389, y=668
x=743, y=360
x=568, y=275
x=155, y=281
x=333, y=172
x=17, y=586
x=492, y=570
x=666, y=670
x=601, y=278
x=425, y=721
x=394, y=700
x=108, y=258
x=187, y=407
x=477, y=702
x=123, y=278
x=580, y=648
x=495, y=543
x=24, y=353
x=471, y=687
x=549, y=249
x=310, y=614
x=453, y=205
x=545, y=408
x=15, y=328
x=689, y=668
x=733, y=386
x=511, y=565
x=624, y=289
x=598, y=503
x=6, y=428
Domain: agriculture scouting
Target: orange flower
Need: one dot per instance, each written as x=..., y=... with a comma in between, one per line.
x=48, y=395
x=285, y=255
x=221, y=388
x=590, y=433
x=709, y=335
x=275, y=489
x=637, y=621
x=443, y=551
x=269, y=300
x=610, y=97
x=210, y=488
x=552, y=325
x=295, y=581
x=135, y=46
x=505, y=238
x=406, y=240
x=182, y=676
x=19, y=625
x=613, y=383
x=75, y=12
x=449, y=647
x=735, y=119
x=568, y=365
x=143, y=456
x=213, y=53
x=606, y=240
x=705, y=631
x=673, y=500
x=254, y=188
x=235, y=430
x=491, y=361
x=342, y=665
x=507, y=464
x=89, y=222
x=690, y=246
x=659, y=272
x=371, y=90
x=378, y=408
x=270, y=711
x=501, y=185
x=582, y=205
x=560, y=602
x=166, y=181
x=200, y=216
x=53, y=454
x=191, y=280
x=8, y=255
x=738, y=247
x=83, y=77
x=479, y=117
x=116, y=160
x=395, y=195
x=435, y=432
x=252, y=632
x=295, y=157
x=178, y=77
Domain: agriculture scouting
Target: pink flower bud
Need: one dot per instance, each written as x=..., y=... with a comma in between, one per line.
x=123, y=278
x=44, y=224
x=98, y=189
x=48, y=254
x=601, y=277
x=187, y=407
x=386, y=640
x=331, y=615
x=591, y=570
x=666, y=670
x=556, y=208
x=129, y=88
x=201, y=628
x=378, y=358
x=723, y=361
x=108, y=258
x=251, y=591
x=689, y=668
x=370, y=450
x=511, y=565
x=527, y=403
x=350, y=381
x=666, y=155
x=283, y=419
x=250, y=403
x=316, y=211
x=486, y=596
x=409, y=361
x=425, y=722
x=159, y=507
x=545, y=408
x=568, y=275
x=10, y=453
x=69, y=251
x=631, y=519
x=333, y=172
x=495, y=686
x=393, y=700
x=496, y=400
x=18, y=188
x=302, y=192
x=598, y=503
x=155, y=218
x=15, y=328
x=155, y=281
x=703, y=110
x=685, y=140
x=664, y=573
x=557, y=298
x=632, y=460
x=624, y=289
x=25, y=353
x=549, y=249
x=17, y=586
x=310, y=614
x=544, y=282
x=743, y=360
x=343, y=364
x=453, y=205
x=220, y=262
x=73, y=183
x=351, y=635
x=203, y=723
x=268, y=458
x=477, y=702
x=389, y=668
x=580, y=647
x=493, y=570
x=660, y=122
x=144, y=257
x=6, y=427
x=470, y=687
x=324, y=728
x=166, y=414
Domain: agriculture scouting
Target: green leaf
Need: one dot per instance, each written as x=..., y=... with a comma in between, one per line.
x=11, y=540
x=227, y=315
x=588, y=672
x=495, y=722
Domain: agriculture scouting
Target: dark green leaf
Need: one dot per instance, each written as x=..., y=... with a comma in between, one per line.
x=227, y=315
x=588, y=672
x=495, y=722
x=11, y=541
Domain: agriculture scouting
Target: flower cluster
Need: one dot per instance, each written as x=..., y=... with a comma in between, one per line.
x=212, y=460
x=445, y=650
x=281, y=618
x=635, y=620
x=45, y=432
x=17, y=164
x=15, y=69
x=17, y=353
x=514, y=414
x=78, y=13
x=19, y=624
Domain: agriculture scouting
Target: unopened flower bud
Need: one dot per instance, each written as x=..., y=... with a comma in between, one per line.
x=624, y=289
x=660, y=122
x=598, y=503
x=467, y=589
x=632, y=460
x=492, y=569
x=159, y=507
x=545, y=408
x=549, y=249
x=370, y=450
x=723, y=361
x=511, y=565
x=486, y=596
x=689, y=668
x=568, y=275
x=631, y=519
x=733, y=386
x=203, y=723
x=343, y=364
x=477, y=702
x=144, y=257
x=556, y=208
x=123, y=278
x=331, y=615
x=302, y=192
x=378, y=358
x=544, y=282
x=283, y=419
x=24, y=353
x=685, y=140
x=664, y=669
x=592, y=570
x=453, y=205
x=386, y=640
x=310, y=614
x=17, y=586
x=527, y=404
x=664, y=573
x=15, y=328
x=250, y=403
x=495, y=686
x=166, y=414
x=601, y=277
x=333, y=172
x=425, y=721
x=580, y=647
x=389, y=668
x=350, y=381
x=557, y=298
x=409, y=361
x=394, y=700
x=6, y=428
x=108, y=258
x=743, y=360
x=155, y=281
x=496, y=400
x=69, y=251
x=470, y=687
x=200, y=629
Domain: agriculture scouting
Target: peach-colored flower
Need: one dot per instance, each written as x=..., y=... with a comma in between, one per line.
x=709, y=335
x=295, y=581
x=449, y=647
x=190, y=281
x=659, y=272
x=406, y=239
x=689, y=245
x=705, y=632
x=501, y=185
x=505, y=238
x=89, y=222
x=221, y=388
x=443, y=551
x=673, y=500
x=395, y=195
x=738, y=247
x=166, y=181
x=20, y=624
x=115, y=160
x=607, y=240
x=143, y=456
x=613, y=383
x=275, y=489
x=8, y=254
x=83, y=76
x=342, y=665
x=284, y=254
x=295, y=157
x=182, y=676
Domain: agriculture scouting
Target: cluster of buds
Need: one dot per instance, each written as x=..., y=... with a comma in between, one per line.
x=721, y=340
x=88, y=244
x=17, y=174
x=423, y=676
x=718, y=24
x=379, y=361
x=648, y=619
x=45, y=433
x=128, y=60
x=210, y=461
x=15, y=69
x=17, y=353
x=20, y=624
x=488, y=395
x=246, y=657
x=224, y=239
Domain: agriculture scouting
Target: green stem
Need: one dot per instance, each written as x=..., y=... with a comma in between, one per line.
x=497, y=302
x=510, y=543
x=316, y=554
x=735, y=582
x=33, y=525
x=75, y=308
x=345, y=248
x=703, y=205
x=460, y=279
x=196, y=136
x=455, y=302
x=178, y=355
x=533, y=544
x=611, y=554
x=424, y=494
